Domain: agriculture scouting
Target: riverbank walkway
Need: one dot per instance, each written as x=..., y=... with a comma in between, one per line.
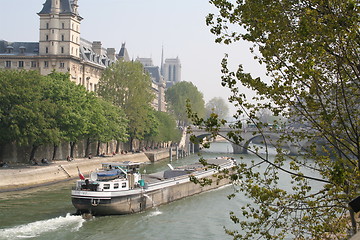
x=23, y=176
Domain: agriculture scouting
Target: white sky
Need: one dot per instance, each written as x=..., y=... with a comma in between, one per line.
x=145, y=25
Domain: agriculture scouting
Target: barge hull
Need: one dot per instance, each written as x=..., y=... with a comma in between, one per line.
x=147, y=198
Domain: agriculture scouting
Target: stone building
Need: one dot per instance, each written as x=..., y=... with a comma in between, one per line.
x=172, y=71
x=62, y=49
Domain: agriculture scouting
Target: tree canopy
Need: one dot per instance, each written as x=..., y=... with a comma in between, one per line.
x=37, y=110
x=126, y=85
x=311, y=53
x=177, y=97
x=218, y=106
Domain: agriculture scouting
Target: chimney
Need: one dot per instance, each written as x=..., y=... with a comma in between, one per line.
x=97, y=47
x=111, y=54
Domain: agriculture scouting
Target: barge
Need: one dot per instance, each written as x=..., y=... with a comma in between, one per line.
x=120, y=188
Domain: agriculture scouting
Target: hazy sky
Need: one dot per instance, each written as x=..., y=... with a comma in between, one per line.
x=145, y=25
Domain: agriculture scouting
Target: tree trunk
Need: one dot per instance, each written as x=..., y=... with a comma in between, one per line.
x=72, y=147
x=98, y=148
x=54, y=151
x=2, y=147
x=131, y=144
x=117, y=147
x=88, y=142
x=33, y=151
x=353, y=222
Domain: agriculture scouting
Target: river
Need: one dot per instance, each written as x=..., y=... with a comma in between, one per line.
x=45, y=213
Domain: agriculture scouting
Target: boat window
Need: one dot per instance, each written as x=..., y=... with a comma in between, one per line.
x=116, y=185
x=123, y=185
x=106, y=186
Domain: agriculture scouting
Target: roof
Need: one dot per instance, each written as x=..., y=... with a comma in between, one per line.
x=65, y=7
x=154, y=72
x=123, y=53
x=19, y=48
x=88, y=54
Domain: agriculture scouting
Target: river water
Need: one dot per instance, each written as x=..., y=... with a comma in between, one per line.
x=45, y=213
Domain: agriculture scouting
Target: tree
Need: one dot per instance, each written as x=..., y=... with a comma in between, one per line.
x=167, y=131
x=177, y=96
x=126, y=85
x=27, y=118
x=311, y=52
x=74, y=108
x=218, y=106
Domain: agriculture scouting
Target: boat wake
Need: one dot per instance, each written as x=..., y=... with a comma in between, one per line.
x=154, y=213
x=35, y=229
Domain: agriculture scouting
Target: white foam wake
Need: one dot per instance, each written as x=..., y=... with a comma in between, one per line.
x=34, y=229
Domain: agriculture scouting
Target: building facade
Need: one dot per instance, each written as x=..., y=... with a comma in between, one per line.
x=172, y=71
x=61, y=48
x=158, y=83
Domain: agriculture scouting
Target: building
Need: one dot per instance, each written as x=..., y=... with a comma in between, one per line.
x=172, y=71
x=62, y=49
x=158, y=83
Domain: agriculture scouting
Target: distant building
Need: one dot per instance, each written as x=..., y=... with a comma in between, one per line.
x=158, y=84
x=123, y=53
x=172, y=71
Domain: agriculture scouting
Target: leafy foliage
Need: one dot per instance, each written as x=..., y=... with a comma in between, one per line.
x=37, y=110
x=177, y=97
x=311, y=52
x=218, y=106
x=126, y=85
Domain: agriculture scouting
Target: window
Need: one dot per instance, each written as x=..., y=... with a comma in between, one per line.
x=106, y=186
x=63, y=25
x=62, y=49
x=116, y=185
x=123, y=185
x=46, y=50
x=62, y=65
x=21, y=64
x=62, y=38
x=47, y=37
x=47, y=25
x=46, y=64
x=33, y=64
x=8, y=64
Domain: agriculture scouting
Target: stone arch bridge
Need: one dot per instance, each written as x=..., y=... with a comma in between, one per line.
x=248, y=135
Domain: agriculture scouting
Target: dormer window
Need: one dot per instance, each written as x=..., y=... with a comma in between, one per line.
x=9, y=49
x=22, y=49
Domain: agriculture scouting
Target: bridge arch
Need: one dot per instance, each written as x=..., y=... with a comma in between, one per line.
x=249, y=137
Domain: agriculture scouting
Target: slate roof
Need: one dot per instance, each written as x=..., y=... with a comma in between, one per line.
x=123, y=53
x=88, y=55
x=154, y=72
x=19, y=48
x=65, y=7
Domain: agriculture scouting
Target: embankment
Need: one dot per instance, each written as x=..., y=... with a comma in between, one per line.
x=23, y=177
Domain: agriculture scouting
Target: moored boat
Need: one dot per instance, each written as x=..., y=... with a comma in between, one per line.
x=120, y=188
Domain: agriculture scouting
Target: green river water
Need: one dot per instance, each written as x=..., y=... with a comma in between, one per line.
x=45, y=213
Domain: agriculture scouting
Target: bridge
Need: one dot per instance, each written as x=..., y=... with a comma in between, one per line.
x=249, y=135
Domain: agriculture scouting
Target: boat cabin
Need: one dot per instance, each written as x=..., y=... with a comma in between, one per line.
x=113, y=177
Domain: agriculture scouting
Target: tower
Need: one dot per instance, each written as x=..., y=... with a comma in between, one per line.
x=172, y=71
x=59, y=32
